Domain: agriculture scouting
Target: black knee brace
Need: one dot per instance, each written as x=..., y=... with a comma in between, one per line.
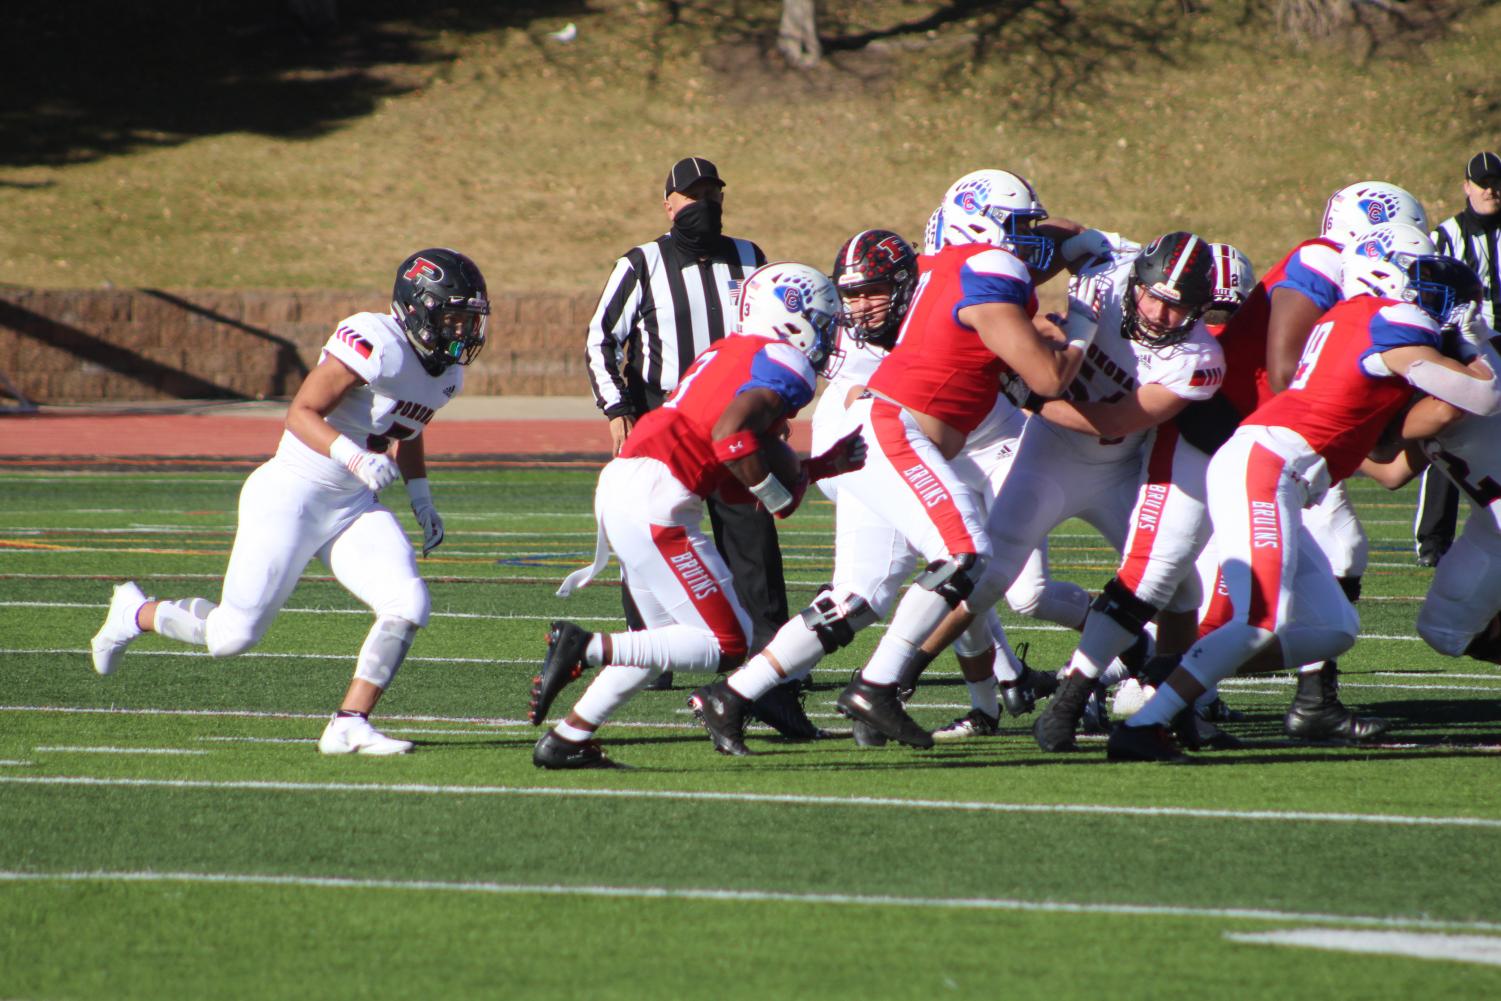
x=1117, y=602
x=831, y=624
x=952, y=579
x=1351, y=587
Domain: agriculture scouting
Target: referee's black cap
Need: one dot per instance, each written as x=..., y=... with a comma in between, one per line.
x=689, y=170
x=1484, y=169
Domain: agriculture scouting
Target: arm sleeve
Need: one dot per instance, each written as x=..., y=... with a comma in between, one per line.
x=611, y=326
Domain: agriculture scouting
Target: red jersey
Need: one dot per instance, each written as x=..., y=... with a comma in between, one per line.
x=939, y=366
x=1341, y=396
x=1244, y=337
x=680, y=432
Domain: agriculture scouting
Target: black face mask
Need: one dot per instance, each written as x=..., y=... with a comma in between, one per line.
x=697, y=225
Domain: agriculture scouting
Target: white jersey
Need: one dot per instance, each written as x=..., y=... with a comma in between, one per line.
x=1116, y=365
x=396, y=400
x=851, y=364
x=1466, y=452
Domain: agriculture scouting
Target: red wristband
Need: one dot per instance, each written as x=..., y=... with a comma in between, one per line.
x=736, y=446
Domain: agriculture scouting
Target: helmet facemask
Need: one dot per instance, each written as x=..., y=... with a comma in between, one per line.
x=444, y=332
x=1442, y=287
x=1137, y=328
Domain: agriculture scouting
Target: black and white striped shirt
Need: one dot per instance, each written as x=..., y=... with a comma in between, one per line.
x=1476, y=241
x=659, y=309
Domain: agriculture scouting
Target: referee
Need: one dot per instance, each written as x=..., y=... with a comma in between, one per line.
x=1474, y=236
x=666, y=301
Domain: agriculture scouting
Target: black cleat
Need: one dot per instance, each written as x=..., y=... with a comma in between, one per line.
x=1054, y=730
x=1195, y=733
x=868, y=736
x=1218, y=712
x=564, y=663
x=782, y=710
x=554, y=752
x=1144, y=743
x=661, y=683
x=879, y=707
x=1020, y=696
x=722, y=711
x=1318, y=714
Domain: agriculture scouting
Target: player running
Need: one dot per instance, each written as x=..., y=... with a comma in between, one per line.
x=380, y=378
x=713, y=435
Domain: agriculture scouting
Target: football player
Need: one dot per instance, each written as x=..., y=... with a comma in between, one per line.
x=379, y=380
x=1266, y=339
x=712, y=435
x=971, y=319
x=1361, y=365
x=1459, y=616
x=1083, y=455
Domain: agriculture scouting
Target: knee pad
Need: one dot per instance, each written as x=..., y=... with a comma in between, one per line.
x=227, y=632
x=1117, y=603
x=409, y=600
x=835, y=620
x=952, y=579
x=978, y=639
x=385, y=648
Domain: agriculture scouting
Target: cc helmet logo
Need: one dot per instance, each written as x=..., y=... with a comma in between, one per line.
x=1375, y=210
x=791, y=297
x=423, y=268
x=1370, y=248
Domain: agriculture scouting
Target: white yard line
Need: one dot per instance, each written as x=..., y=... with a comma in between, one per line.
x=68, y=749
x=15, y=763
x=1456, y=948
x=785, y=799
x=721, y=895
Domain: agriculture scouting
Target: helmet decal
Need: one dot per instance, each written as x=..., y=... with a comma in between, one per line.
x=423, y=268
x=791, y=297
x=1376, y=210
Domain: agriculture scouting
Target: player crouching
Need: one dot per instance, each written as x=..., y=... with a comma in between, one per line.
x=715, y=433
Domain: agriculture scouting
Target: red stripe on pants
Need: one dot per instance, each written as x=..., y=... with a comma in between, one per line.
x=1220, y=610
x=926, y=486
x=703, y=590
x=1263, y=473
x=1148, y=511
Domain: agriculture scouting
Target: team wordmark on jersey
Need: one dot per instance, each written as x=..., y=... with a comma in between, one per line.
x=414, y=411
x=361, y=346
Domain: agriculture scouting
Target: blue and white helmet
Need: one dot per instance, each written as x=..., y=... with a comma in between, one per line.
x=995, y=207
x=795, y=302
x=1381, y=261
x=1357, y=207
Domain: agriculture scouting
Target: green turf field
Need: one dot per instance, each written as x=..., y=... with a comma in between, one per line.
x=171, y=832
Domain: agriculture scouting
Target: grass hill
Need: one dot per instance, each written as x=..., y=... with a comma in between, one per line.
x=205, y=145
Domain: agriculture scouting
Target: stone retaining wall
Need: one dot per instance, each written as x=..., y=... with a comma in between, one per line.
x=88, y=345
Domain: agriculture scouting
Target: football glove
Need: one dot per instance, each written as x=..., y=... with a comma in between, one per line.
x=376, y=471
x=427, y=515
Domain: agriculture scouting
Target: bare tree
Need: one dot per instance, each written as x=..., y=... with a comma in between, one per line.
x=797, y=39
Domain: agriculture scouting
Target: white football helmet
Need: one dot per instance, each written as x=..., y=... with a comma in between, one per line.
x=1233, y=277
x=1357, y=207
x=795, y=302
x=995, y=207
x=1380, y=262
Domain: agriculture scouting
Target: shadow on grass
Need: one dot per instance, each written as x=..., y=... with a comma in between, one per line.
x=90, y=80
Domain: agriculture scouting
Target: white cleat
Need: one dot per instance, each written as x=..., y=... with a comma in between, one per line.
x=119, y=627
x=355, y=735
x=1130, y=695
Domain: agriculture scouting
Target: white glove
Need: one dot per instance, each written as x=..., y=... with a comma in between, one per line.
x=427, y=515
x=376, y=471
x=1473, y=328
